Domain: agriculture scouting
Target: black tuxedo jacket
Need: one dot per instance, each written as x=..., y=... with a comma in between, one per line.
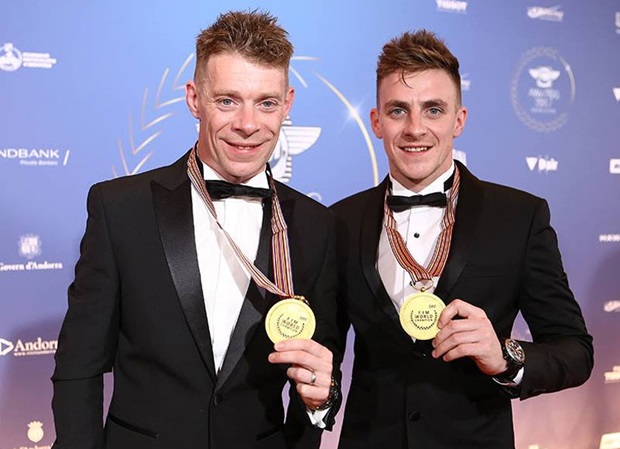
x=504, y=259
x=136, y=307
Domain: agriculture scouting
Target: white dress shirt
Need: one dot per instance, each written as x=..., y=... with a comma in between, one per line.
x=225, y=280
x=420, y=227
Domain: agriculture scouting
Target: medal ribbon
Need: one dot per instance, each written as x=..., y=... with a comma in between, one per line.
x=442, y=247
x=283, y=286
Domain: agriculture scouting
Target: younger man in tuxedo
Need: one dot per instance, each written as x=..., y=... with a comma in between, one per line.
x=485, y=250
x=162, y=298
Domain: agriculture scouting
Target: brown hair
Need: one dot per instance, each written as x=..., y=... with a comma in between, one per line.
x=255, y=35
x=415, y=52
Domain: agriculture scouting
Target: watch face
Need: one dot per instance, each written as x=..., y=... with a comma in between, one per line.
x=516, y=351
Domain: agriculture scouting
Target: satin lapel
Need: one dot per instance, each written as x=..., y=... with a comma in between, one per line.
x=468, y=211
x=255, y=305
x=173, y=209
x=372, y=222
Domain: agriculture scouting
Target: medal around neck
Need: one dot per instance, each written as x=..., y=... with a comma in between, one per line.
x=290, y=318
x=419, y=315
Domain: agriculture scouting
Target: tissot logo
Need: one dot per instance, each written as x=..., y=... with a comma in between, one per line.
x=452, y=6
x=614, y=166
x=543, y=164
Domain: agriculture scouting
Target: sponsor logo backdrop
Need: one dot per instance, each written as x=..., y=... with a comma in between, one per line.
x=94, y=90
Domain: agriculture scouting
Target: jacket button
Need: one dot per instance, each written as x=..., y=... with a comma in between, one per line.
x=414, y=416
x=417, y=355
x=217, y=399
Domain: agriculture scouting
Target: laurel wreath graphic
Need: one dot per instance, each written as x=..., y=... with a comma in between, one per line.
x=134, y=156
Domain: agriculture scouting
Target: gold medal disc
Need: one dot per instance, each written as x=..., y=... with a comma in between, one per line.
x=290, y=318
x=419, y=315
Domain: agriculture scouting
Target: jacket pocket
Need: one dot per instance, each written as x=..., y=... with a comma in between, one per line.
x=133, y=428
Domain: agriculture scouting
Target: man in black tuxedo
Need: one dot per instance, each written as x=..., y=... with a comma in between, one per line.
x=161, y=298
x=487, y=251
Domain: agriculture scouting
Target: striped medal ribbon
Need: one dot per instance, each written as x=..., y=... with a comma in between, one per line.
x=420, y=311
x=291, y=317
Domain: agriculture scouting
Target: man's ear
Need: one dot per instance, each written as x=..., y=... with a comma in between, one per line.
x=191, y=98
x=374, y=122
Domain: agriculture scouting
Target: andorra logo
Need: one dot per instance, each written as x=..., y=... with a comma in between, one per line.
x=35, y=431
x=6, y=346
x=157, y=109
x=29, y=246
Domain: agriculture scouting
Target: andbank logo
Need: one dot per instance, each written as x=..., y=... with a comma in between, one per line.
x=543, y=164
x=457, y=6
x=553, y=14
x=36, y=157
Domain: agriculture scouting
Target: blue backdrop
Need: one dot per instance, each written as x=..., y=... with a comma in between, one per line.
x=90, y=90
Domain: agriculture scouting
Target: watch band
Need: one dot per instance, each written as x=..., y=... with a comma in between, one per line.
x=515, y=360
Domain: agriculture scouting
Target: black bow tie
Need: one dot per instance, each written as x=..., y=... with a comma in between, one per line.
x=401, y=203
x=218, y=190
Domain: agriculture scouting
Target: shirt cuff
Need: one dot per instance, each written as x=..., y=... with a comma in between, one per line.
x=317, y=417
x=515, y=382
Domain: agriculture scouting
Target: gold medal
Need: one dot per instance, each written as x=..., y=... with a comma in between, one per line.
x=419, y=315
x=290, y=318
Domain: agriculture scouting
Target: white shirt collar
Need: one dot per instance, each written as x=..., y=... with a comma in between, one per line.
x=258, y=180
x=435, y=186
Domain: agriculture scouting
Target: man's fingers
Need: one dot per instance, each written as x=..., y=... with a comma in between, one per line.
x=461, y=309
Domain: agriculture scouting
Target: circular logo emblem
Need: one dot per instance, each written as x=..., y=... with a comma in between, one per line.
x=10, y=58
x=543, y=89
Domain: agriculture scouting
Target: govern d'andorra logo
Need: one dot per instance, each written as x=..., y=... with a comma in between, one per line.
x=29, y=246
